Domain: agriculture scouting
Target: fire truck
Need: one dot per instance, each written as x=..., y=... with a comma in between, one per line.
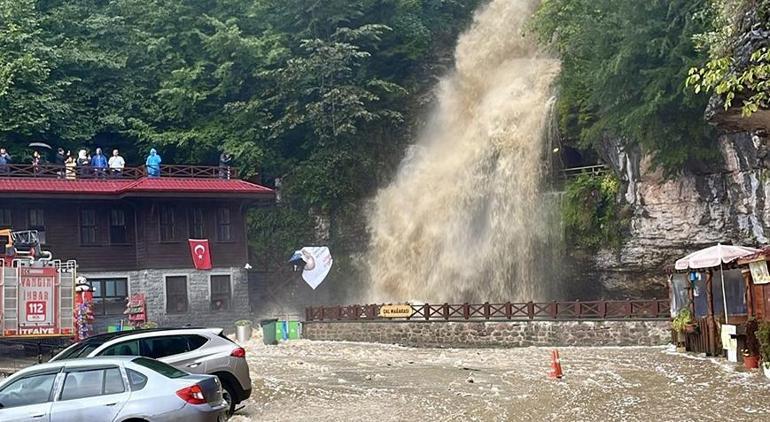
x=36, y=291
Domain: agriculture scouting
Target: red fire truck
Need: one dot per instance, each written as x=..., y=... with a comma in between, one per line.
x=36, y=291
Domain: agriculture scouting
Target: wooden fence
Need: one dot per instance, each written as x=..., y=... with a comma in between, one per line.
x=557, y=311
x=49, y=171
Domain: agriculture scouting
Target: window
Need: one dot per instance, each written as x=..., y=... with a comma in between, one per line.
x=224, y=232
x=136, y=380
x=88, y=227
x=5, y=217
x=126, y=348
x=110, y=296
x=176, y=294
x=196, y=341
x=32, y=389
x=80, y=350
x=220, y=292
x=166, y=224
x=90, y=383
x=158, y=347
x=164, y=369
x=197, y=225
x=118, y=232
x=113, y=381
x=37, y=222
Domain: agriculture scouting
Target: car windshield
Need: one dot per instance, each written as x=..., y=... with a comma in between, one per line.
x=160, y=367
x=80, y=350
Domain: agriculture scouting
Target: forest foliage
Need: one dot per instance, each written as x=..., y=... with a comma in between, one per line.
x=738, y=47
x=624, y=66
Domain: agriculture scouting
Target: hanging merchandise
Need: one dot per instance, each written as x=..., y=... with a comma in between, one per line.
x=84, y=312
x=136, y=310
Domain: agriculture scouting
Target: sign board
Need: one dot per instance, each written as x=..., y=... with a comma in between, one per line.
x=395, y=311
x=759, y=272
x=38, y=289
x=318, y=263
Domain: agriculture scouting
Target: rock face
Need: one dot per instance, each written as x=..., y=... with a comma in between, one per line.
x=495, y=334
x=675, y=216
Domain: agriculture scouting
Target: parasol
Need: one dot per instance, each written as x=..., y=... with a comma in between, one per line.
x=712, y=257
x=39, y=145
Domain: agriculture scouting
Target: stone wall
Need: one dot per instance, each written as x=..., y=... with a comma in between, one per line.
x=199, y=313
x=494, y=334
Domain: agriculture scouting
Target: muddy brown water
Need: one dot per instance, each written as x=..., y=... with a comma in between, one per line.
x=321, y=381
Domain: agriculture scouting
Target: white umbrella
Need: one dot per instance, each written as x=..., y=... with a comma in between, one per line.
x=712, y=257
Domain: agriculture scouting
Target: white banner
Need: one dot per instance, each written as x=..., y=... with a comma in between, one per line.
x=318, y=263
x=759, y=272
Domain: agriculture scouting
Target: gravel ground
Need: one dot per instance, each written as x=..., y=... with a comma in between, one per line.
x=325, y=381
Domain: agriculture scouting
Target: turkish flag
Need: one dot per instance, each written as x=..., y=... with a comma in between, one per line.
x=199, y=248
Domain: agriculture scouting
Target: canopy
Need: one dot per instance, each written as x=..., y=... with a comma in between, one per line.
x=713, y=256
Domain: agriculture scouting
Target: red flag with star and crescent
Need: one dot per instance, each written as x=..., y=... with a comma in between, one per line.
x=199, y=248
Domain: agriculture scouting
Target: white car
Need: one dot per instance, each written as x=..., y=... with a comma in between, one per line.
x=195, y=350
x=118, y=389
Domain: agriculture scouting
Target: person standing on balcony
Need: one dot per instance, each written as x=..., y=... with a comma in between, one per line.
x=83, y=163
x=99, y=163
x=117, y=163
x=60, y=160
x=70, y=167
x=36, y=161
x=5, y=159
x=153, y=163
x=224, y=165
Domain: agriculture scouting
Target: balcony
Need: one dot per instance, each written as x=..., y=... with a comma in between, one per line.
x=48, y=171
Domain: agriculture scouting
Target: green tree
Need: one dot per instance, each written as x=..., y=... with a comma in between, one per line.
x=623, y=67
x=726, y=73
x=30, y=95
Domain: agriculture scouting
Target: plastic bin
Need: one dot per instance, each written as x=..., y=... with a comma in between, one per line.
x=287, y=330
x=268, y=331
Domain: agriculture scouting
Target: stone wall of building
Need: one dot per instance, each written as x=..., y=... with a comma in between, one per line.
x=199, y=311
x=494, y=334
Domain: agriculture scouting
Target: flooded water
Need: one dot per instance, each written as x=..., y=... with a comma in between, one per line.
x=322, y=381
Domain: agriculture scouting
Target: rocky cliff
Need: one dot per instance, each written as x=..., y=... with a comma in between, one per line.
x=670, y=217
x=674, y=216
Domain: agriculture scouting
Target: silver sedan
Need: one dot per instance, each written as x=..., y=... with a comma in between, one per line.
x=117, y=389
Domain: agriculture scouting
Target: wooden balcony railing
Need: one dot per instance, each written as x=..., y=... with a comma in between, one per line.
x=49, y=171
x=563, y=311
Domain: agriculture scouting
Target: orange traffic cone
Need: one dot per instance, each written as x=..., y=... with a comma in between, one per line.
x=555, y=372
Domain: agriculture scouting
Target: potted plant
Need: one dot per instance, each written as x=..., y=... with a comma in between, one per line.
x=751, y=350
x=679, y=324
x=763, y=337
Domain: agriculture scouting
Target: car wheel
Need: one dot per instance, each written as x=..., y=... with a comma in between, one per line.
x=228, y=394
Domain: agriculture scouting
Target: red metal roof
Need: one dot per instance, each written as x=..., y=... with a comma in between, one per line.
x=140, y=187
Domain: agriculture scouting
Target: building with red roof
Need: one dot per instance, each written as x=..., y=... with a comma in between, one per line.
x=131, y=234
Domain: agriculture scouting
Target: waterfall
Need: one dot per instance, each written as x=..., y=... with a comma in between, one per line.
x=465, y=218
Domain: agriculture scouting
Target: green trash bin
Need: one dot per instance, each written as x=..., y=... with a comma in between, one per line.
x=268, y=331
